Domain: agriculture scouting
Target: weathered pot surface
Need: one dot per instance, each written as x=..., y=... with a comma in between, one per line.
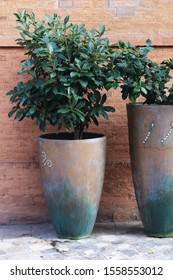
x=72, y=173
x=151, y=152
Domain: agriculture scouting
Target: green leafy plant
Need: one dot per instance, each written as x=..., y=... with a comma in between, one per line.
x=68, y=68
x=141, y=77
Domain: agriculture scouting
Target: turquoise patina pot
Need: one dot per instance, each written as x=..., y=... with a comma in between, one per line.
x=72, y=173
x=151, y=152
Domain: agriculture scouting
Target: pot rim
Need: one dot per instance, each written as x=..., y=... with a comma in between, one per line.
x=68, y=136
x=148, y=105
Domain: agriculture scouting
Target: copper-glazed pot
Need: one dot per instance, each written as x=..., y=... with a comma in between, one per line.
x=72, y=173
x=151, y=152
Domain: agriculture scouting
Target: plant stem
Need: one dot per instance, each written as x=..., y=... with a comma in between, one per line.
x=78, y=133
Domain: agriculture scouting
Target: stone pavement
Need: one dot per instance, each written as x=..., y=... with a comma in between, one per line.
x=120, y=241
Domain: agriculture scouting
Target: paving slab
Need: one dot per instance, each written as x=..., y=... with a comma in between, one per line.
x=121, y=241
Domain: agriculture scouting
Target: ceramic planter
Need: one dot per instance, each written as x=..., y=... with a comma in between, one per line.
x=72, y=173
x=151, y=152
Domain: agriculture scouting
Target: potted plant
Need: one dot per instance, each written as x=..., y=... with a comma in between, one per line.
x=150, y=127
x=69, y=70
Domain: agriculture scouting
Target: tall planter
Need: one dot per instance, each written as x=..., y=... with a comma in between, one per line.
x=72, y=173
x=151, y=152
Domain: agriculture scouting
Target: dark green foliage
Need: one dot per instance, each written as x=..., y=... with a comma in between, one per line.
x=140, y=76
x=68, y=66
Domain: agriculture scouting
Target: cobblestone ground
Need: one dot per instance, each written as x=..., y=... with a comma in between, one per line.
x=121, y=241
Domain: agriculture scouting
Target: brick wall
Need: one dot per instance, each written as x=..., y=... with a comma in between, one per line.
x=21, y=198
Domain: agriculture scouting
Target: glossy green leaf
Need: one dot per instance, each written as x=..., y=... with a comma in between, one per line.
x=66, y=19
x=90, y=46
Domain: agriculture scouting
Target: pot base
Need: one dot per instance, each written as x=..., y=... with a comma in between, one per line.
x=73, y=237
x=159, y=235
